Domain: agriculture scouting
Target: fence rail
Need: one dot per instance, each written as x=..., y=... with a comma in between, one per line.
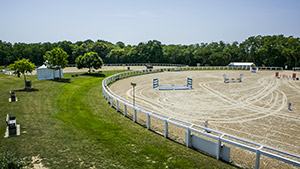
x=296, y=68
x=116, y=101
x=143, y=64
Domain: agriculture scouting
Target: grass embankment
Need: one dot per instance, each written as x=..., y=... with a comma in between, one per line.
x=69, y=124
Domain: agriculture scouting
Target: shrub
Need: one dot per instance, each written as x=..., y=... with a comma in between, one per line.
x=8, y=159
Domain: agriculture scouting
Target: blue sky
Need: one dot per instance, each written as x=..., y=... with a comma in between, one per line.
x=134, y=21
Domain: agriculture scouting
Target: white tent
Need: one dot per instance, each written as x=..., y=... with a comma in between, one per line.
x=240, y=64
x=44, y=72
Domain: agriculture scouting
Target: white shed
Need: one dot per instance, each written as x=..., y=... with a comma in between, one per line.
x=43, y=72
x=241, y=64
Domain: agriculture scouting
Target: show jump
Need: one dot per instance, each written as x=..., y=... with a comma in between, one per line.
x=233, y=80
x=188, y=86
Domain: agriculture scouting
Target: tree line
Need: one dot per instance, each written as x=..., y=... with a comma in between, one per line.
x=275, y=50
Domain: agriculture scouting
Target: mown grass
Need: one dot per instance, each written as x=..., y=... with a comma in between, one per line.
x=69, y=124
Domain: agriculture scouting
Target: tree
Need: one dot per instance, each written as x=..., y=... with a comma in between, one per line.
x=68, y=47
x=5, y=53
x=89, y=60
x=116, y=55
x=56, y=59
x=22, y=67
x=79, y=50
x=102, y=49
x=120, y=44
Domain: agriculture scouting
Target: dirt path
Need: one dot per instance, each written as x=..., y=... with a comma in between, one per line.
x=255, y=109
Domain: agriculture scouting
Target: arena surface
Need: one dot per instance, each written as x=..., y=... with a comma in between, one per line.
x=256, y=109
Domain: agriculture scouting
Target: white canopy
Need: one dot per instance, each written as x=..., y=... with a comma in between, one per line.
x=241, y=64
x=43, y=72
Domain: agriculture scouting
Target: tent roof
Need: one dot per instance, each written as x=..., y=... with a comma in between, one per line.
x=43, y=67
x=46, y=67
x=241, y=64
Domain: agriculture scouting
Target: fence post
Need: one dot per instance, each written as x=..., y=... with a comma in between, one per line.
x=188, y=135
x=166, y=128
x=257, y=157
x=125, y=110
x=104, y=94
x=107, y=99
x=219, y=147
x=111, y=102
x=134, y=114
x=117, y=108
x=148, y=121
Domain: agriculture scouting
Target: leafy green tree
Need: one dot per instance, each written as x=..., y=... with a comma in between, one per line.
x=116, y=55
x=120, y=44
x=102, y=49
x=56, y=59
x=132, y=54
x=5, y=53
x=151, y=51
x=22, y=67
x=89, y=60
x=79, y=50
x=67, y=46
x=275, y=50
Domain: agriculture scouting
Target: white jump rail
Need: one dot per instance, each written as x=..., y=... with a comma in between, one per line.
x=110, y=96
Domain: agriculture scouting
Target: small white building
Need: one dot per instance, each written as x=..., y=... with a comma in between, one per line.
x=43, y=72
x=241, y=64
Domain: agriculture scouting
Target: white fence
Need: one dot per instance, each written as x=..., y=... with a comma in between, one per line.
x=144, y=64
x=296, y=68
x=163, y=123
x=9, y=72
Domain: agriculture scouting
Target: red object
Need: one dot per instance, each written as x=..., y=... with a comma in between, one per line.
x=294, y=75
x=277, y=74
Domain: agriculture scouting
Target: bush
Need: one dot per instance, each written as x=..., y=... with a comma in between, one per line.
x=8, y=159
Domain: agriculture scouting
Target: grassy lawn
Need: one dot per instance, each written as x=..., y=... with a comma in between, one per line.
x=68, y=124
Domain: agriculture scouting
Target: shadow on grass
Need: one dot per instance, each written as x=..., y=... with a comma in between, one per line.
x=27, y=90
x=65, y=80
x=93, y=74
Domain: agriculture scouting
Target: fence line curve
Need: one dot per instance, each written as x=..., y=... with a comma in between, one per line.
x=114, y=100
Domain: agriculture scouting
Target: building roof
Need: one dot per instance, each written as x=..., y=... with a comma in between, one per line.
x=241, y=64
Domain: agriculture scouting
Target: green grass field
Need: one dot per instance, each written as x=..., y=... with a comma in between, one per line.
x=69, y=124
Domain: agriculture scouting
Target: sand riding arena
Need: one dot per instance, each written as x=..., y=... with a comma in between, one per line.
x=255, y=109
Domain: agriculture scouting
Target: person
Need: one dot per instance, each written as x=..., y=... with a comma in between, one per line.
x=206, y=126
x=289, y=106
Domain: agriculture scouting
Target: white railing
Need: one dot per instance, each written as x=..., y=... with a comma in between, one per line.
x=9, y=72
x=296, y=68
x=181, y=65
x=270, y=68
x=144, y=64
x=116, y=101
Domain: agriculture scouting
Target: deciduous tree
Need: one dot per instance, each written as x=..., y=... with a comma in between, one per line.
x=89, y=60
x=22, y=67
x=56, y=59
